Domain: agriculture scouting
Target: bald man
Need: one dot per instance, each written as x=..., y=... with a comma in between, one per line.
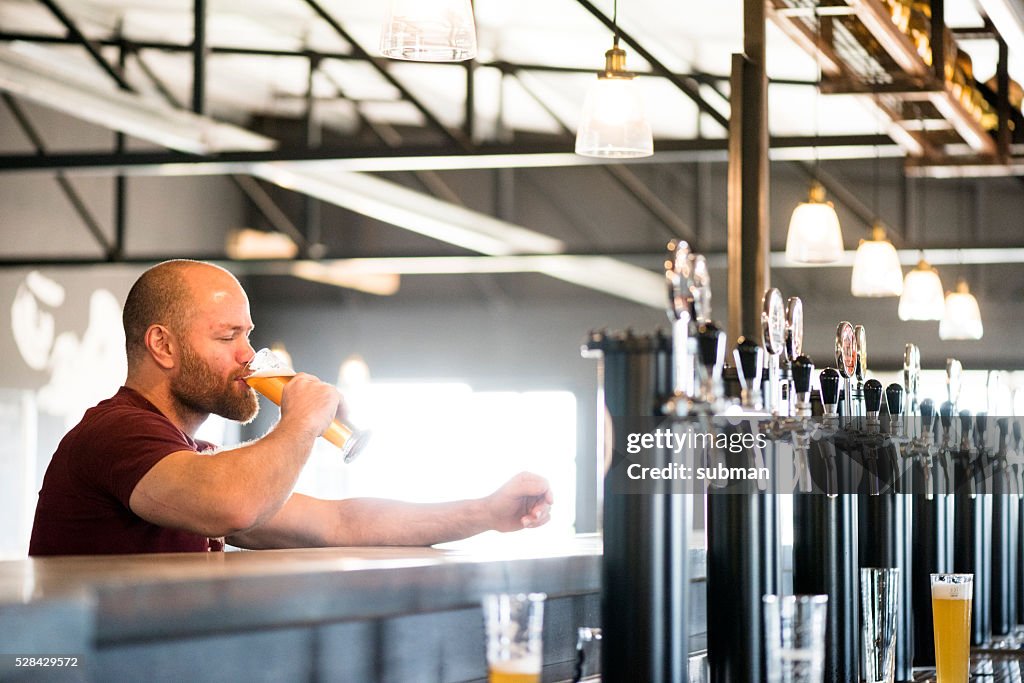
x=132, y=478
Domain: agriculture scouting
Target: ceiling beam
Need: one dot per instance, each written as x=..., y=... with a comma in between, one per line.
x=417, y=158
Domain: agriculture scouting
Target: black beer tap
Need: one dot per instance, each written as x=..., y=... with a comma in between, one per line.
x=930, y=534
x=871, y=444
x=972, y=534
x=801, y=431
x=885, y=530
x=1004, y=526
x=749, y=359
x=825, y=532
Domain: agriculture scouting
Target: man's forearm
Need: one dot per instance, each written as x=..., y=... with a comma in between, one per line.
x=311, y=522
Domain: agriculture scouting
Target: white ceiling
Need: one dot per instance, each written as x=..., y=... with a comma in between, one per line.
x=685, y=35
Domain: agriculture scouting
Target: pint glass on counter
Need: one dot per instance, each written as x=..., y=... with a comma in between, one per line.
x=951, y=619
x=514, y=625
x=268, y=374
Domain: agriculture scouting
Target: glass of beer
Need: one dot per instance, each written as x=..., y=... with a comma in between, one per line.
x=951, y=620
x=514, y=624
x=268, y=373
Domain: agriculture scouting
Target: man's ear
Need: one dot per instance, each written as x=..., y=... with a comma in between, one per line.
x=162, y=346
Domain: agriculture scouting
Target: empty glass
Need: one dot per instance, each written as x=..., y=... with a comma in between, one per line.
x=879, y=603
x=795, y=637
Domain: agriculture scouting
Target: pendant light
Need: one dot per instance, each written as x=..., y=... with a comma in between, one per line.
x=922, y=297
x=876, y=267
x=429, y=31
x=613, y=124
x=814, y=232
x=962, y=318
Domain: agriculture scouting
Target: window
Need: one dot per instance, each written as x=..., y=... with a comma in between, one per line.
x=444, y=441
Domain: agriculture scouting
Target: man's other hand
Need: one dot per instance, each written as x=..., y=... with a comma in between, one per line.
x=524, y=501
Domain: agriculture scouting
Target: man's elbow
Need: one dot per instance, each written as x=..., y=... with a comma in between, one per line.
x=236, y=518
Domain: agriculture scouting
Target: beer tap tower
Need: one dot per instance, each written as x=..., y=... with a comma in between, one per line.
x=1004, y=528
x=932, y=502
x=645, y=565
x=972, y=530
x=825, y=534
x=742, y=534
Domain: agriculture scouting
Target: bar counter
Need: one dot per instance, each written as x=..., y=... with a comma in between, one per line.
x=340, y=614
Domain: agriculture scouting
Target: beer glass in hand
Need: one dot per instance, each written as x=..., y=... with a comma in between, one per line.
x=268, y=374
x=951, y=619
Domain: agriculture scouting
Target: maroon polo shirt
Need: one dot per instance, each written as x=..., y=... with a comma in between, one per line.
x=83, y=504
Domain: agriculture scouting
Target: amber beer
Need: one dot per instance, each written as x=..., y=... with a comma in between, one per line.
x=271, y=383
x=951, y=620
x=515, y=671
x=513, y=624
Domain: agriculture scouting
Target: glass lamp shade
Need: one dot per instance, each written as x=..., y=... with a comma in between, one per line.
x=923, y=297
x=876, y=268
x=429, y=31
x=613, y=124
x=962, y=318
x=814, y=233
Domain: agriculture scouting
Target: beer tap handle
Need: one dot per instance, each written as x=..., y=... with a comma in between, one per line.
x=954, y=375
x=802, y=369
x=862, y=351
x=829, y=382
x=749, y=359
x=980, y=427
x=946, y=418
x=965, y=429
x=873, y=395
x=710, y=360
x=1003, y=425
x=678, y=276
x=927, y=416
x=1016, y=436
x=894, y=396
x=700, y=289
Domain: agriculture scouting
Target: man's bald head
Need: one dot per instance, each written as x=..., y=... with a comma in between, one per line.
x=163, y=295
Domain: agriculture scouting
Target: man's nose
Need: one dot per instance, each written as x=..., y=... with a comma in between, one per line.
x=246, y=354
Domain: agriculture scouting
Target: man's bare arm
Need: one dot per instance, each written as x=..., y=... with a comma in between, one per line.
x=523, y=502
x=224, y=493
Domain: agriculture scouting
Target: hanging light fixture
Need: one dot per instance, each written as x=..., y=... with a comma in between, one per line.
x=613, y=125
x=962, y=318
x=922, y=297
x=429, y=31
x=814, y=232
x=876, y=267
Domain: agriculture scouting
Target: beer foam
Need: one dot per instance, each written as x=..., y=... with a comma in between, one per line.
x=951, y=591
x=272, y=373
x=524, y=665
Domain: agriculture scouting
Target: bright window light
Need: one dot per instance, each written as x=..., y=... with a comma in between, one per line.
x=434, y=442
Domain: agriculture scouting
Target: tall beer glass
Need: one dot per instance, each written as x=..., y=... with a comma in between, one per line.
x=268, y=374
x=514, y=626
x=951, y=619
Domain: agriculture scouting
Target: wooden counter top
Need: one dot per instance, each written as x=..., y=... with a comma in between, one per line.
x=146, y=597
